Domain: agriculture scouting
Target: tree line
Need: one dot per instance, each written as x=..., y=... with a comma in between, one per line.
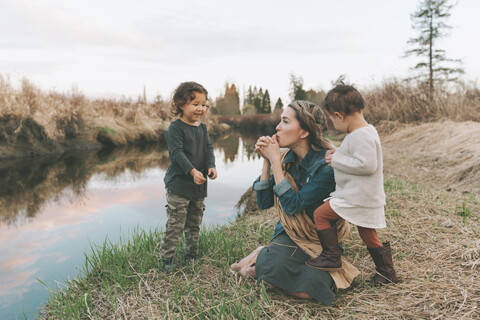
x=432, y=70
x=258, y=101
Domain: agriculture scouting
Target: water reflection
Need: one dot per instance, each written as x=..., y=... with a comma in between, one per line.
x=229, y=144
x=52, y=208
x=27, y=186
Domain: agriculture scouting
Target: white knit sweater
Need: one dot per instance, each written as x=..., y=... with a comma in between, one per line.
x=358, y=167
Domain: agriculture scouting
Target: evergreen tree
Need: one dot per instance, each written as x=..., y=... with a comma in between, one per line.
x=257, y=103
x=266, y=104
x=257, y=100
x=297, y=93
x=255, y=92
x=430, y=22
x=250, y=96
x=278, y=106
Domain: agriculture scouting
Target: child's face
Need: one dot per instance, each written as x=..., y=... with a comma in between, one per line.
x=338, y=121
x=195, y=109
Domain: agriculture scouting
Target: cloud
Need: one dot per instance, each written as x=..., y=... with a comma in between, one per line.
x=28, y=24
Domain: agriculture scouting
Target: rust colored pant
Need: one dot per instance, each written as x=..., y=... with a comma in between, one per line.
x=324, y=214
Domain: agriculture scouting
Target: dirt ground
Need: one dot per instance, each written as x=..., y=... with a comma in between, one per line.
x=442, y=155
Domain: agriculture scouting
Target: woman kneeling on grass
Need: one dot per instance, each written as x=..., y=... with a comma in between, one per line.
x=300, y=181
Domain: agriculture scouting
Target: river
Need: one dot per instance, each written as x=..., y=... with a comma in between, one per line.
x=53, y=209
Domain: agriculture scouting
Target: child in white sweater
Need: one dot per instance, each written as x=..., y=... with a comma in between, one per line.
x=359, y=196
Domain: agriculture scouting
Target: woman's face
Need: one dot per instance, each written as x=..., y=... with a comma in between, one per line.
x=289, y=131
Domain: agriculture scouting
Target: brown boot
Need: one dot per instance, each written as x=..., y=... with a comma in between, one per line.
x=330, y=258
x=382, y=257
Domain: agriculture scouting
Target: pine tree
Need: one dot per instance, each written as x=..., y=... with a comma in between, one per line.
x=430, y=22
x=297, y=93
x=257, y=100
x=266, y=104
x=250, y=96
x=278, y=106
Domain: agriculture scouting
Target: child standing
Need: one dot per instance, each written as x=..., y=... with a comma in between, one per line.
x=359, y=196
x=191, y=160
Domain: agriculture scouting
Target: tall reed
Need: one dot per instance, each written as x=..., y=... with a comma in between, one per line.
x=28, y=114
x=406, y=102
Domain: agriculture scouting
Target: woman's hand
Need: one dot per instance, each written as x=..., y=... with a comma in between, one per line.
x=328, y=156
x=271, y=150
x=268, y=148
x=263, y=141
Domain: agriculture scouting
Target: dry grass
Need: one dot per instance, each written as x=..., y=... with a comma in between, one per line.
x=405, y=102
x=434, y=237
x=44, y=122
x=435, y=242
x=443, y=154
x=436, y=255
x=35, y=122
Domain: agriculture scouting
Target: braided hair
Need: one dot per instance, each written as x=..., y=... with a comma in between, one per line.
x=312, y=119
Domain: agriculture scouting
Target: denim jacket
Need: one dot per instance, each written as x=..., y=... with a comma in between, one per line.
x=314, y=179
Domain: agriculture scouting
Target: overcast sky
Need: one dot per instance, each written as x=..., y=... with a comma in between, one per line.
x=114, y=48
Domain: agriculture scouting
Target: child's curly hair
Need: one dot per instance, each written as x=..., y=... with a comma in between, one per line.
x=344, y=99
x=184, y=94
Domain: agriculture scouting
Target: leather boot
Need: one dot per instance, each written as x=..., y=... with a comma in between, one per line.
x=382, y=257
x=330, y=259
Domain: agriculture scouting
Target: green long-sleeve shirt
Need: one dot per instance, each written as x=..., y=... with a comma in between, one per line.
x=188, y=147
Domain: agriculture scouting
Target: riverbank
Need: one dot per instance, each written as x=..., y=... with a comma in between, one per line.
x=434, y=230
x=37, y=123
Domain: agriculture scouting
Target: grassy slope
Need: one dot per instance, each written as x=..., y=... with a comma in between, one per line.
x=436, y=246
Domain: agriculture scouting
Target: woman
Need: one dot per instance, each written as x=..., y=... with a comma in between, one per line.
x=299, y=183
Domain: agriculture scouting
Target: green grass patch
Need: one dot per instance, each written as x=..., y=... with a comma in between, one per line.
x=426, y=228
x=105, y=130
x=111, y=270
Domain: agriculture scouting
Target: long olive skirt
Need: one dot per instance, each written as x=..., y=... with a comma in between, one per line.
x=282, y=264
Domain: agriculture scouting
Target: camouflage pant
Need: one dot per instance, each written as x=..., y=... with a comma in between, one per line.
x=184, y=215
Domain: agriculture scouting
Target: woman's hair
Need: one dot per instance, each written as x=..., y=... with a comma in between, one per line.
x=312, y=119
x=184, y=94
x=344, y=99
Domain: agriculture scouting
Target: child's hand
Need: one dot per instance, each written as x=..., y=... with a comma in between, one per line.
x=198, y=177
x=328, y=156
x=212, y=173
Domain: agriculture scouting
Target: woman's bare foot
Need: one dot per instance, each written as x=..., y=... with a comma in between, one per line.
x=248, y=271
x=250, y=259
x=236, y=266
x=301, y=295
